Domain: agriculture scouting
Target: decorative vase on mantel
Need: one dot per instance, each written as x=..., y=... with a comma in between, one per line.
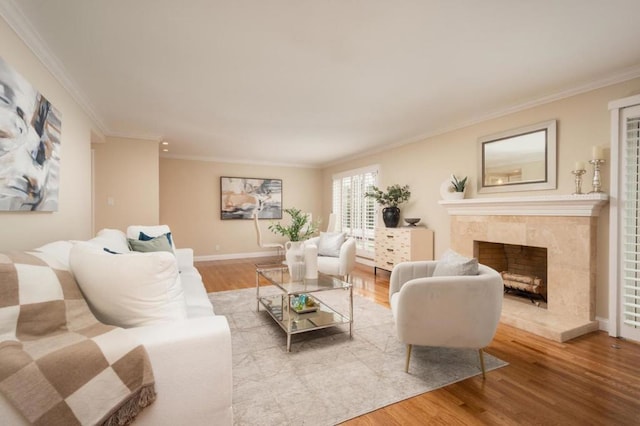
x=391, y=216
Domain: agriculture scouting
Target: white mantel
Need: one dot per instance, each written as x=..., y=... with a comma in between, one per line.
x=549, y=205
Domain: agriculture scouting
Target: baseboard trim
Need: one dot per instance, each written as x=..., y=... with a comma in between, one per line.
x=603, y=323
x=366, y=262
x=232, y=256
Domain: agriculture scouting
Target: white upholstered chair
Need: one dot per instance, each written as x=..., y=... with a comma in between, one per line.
x=445, y=311
x=278, y=246
x=341, y=265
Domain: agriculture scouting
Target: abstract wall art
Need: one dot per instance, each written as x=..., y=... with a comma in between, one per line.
x=239, y=197
x=30, y=129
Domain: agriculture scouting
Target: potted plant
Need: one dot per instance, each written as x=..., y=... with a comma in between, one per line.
x=458, y=186
x=300, y=229
x=394, y=196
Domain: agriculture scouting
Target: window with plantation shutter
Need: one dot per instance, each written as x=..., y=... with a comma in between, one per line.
x=356, y=213
x=624, y=219
x=630, y=231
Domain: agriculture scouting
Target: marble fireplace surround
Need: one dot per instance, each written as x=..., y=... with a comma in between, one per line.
x=566, y=226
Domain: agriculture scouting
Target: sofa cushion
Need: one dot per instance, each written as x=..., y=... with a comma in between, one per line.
x=454, y=264
x=161, y=243
x=131, y=289
x=330, y=243
x=195, y=295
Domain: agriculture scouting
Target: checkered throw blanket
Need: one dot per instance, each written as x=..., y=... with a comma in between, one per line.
x=58, y=364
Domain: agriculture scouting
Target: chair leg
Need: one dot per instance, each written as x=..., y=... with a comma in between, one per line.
x=406, y=367
x=481, y=354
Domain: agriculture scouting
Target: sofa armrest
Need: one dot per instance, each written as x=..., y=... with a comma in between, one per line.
x=191, y=363
x=347, y=256
x=185, y=258
x=407, y=271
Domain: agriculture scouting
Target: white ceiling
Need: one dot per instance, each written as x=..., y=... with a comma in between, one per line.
x=313, y=82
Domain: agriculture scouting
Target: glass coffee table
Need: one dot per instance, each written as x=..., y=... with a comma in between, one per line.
x=294, y=319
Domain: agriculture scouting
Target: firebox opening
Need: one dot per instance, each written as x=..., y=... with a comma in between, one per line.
x=523, y=269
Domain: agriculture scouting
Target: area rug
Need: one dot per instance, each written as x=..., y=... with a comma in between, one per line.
x=328, y=377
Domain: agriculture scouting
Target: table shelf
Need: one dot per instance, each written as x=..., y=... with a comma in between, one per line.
x=324, y=317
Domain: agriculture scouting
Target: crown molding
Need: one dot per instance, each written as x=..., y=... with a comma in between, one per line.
x=242, y=161
x=14, y=17
x=152, y=137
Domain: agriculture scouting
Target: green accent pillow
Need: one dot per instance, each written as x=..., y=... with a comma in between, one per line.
x=160, y=243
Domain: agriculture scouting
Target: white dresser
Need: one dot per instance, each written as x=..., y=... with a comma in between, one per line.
x=395, y=245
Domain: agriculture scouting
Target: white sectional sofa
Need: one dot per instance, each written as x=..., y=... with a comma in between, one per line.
x=190, y=356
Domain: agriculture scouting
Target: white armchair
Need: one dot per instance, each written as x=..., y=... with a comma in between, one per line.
x=342, y=265
x=452, y=311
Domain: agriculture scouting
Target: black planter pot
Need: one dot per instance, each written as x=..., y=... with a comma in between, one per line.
x=391, y=216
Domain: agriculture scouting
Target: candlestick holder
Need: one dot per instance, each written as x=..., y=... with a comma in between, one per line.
x=578, y=174
x=597, y=184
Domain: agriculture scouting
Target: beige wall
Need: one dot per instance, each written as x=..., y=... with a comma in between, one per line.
x=190, y=203
x=21, y=230
x=583, y=121
x=126, y=183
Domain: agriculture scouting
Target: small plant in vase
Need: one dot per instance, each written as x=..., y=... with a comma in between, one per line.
x=300, y=229
x=458, y=186
x=394, y=196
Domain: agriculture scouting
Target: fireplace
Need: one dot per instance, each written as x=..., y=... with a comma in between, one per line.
x=523, y=268
x=564, y=227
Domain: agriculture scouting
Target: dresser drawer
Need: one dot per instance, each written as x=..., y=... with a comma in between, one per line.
x=395, y=245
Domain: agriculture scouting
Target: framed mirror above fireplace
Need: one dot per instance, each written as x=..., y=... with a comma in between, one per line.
x=522, y=159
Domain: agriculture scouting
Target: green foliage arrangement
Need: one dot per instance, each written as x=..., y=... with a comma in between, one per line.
x=394, y=196
x=300, y=228
x=458, y=185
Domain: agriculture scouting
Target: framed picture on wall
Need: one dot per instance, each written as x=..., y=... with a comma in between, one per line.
x=240, y=197
x=30, y=145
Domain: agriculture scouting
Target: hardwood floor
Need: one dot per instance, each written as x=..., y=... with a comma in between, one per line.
x=591, y=380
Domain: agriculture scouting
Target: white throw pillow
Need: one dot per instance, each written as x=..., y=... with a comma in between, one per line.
x=329, y=243
x=130, y=289
x=454, y=264
x=59, y=250
x=113, y=240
